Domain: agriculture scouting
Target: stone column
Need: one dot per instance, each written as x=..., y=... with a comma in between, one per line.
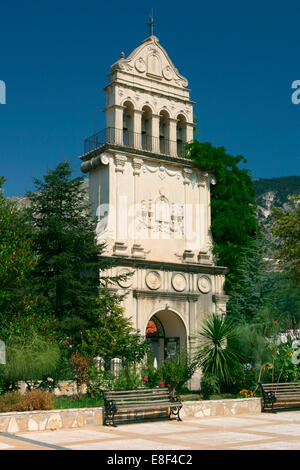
x=189, y=131
x=173, y=136
x=120, y=248
x=114, y=124
x=137, y=128
x=188, y=254
x=221, y=302
x=203, y=256
x=155, y=133
x=137, y=249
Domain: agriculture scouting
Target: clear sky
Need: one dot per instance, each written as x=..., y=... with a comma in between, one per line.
x=240, y=58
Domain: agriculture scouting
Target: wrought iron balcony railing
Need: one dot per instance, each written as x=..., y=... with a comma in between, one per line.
x=134, y=140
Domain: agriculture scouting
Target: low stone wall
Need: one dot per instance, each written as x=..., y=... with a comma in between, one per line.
x=66, y=388
x=230, y=407
x=50, y=420
x=76, y=418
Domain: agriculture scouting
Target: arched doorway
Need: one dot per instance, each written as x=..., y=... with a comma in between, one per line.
x=167, y=334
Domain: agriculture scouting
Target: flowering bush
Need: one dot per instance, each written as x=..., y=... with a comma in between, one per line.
x=246, y=393
x=177, y=370
x=99, y=380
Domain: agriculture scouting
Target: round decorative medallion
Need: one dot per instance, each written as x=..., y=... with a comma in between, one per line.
x=179, y=282
x=140, y=65
x=124, y=282
x=168, y=73
x=204, y=284
x=153, y=280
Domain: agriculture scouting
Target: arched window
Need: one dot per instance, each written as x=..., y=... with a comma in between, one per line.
x=146, y=128
x=181, y=134
x=164, y=132
x=128, y=124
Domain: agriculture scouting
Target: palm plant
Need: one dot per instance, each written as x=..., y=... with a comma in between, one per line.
x=218, y=352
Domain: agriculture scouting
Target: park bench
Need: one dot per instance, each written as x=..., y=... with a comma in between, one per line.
x=139, y=405
x=282, y=395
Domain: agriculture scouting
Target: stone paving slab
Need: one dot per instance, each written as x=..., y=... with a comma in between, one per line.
x=135, y=444
x=250, y=432
x=61, y=437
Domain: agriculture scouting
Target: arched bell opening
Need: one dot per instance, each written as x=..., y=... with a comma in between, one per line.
x=128, y=124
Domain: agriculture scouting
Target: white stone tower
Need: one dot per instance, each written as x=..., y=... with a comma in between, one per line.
x=152, y=204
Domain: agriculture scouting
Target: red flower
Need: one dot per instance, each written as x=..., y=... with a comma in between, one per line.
x=160, y=384
x=145, y=379
x=168, y=385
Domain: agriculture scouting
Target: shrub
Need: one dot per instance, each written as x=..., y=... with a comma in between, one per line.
x=80, y=365
x=30, y=401
x=13, y=401
x=151, y=376
x=30, y=359
x=243, y=377
x=209, y=386
x=218, y=352
x=129, y=379
x=39, y=400
x=177, y=370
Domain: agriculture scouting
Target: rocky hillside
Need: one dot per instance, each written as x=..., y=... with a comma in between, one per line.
x=274, y=192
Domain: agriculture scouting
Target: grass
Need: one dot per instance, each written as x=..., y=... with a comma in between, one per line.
x=64, y=402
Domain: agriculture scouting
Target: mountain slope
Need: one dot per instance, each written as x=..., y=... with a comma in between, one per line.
x=274, y=192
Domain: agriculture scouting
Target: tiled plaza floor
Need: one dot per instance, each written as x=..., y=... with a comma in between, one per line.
x=279, y=431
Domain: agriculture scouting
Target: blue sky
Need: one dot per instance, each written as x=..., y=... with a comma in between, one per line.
x=240, y=59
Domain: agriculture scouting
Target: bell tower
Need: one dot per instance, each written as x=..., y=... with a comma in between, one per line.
x=152, y=204
x=147, y=102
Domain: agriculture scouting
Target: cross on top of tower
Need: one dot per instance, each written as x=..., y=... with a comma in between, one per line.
x=151, y=23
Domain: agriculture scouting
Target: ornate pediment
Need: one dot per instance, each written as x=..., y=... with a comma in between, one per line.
x=150, y=60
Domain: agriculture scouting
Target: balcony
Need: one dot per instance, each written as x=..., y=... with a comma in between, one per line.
x=133, y=140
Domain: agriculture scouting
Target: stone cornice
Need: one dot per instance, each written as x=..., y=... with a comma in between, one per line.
x=167, y=266
x=158, y=92
x=142, y=293
x=113, y=148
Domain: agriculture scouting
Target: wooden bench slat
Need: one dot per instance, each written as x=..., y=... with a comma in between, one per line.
x=138, y=390
x=120, y=401
x=142, y=402
x=280, y=395
x=139, y=396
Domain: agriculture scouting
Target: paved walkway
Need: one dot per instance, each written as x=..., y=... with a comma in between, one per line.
x=247, y=432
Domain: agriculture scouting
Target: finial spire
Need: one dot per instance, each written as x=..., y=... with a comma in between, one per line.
x=151, y=23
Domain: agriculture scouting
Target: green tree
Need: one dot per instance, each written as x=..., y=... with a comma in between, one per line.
x=66, y=277
x=233, y=207
x=19, y=313
x=255, y=283
x=286, y=229
x=112, y=334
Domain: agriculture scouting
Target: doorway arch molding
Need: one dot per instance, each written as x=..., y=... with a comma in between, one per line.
x=172, y=310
